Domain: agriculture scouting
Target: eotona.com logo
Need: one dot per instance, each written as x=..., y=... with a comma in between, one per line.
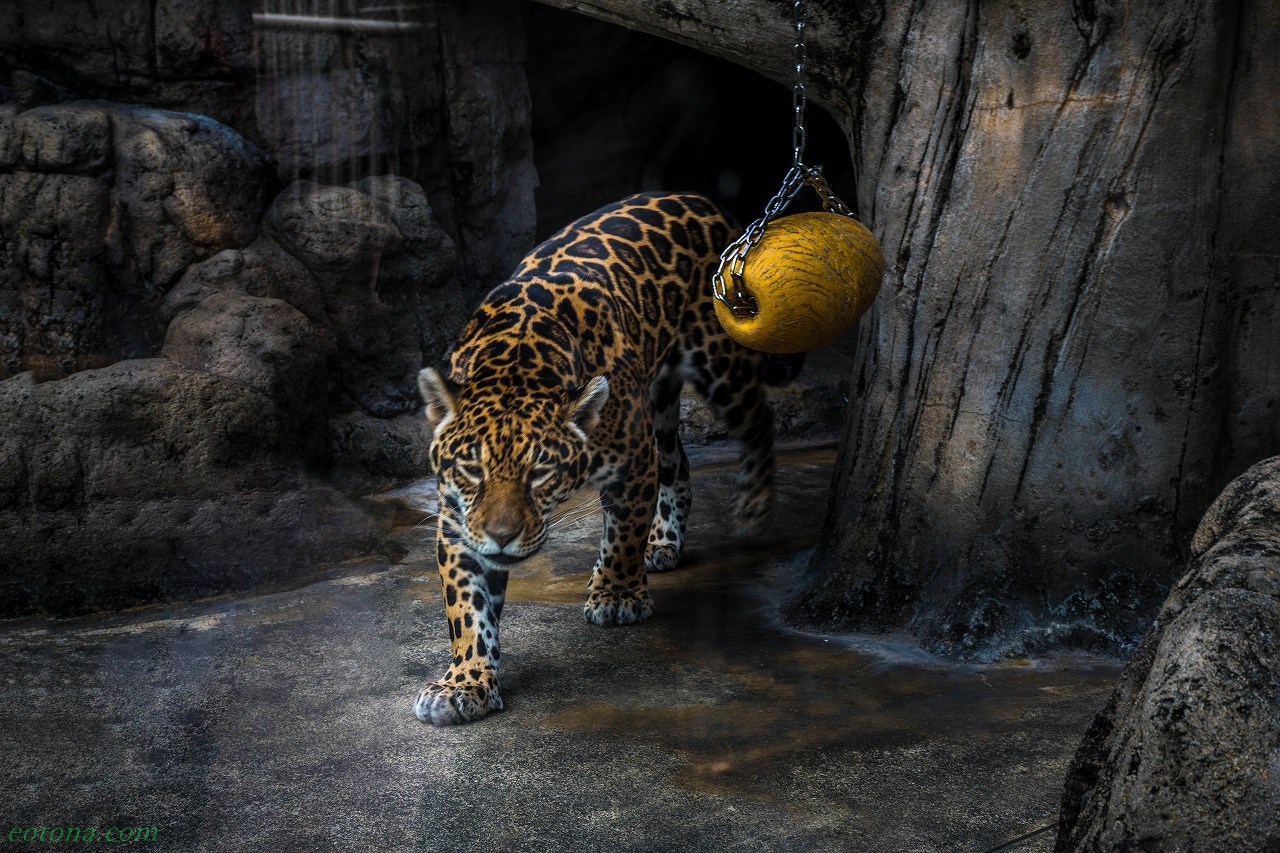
x=90, y=834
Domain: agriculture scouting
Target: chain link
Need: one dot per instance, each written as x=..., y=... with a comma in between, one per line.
x=733, y=260
x=799, y=97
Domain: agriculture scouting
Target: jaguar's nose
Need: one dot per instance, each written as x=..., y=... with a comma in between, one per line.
x=502, y=532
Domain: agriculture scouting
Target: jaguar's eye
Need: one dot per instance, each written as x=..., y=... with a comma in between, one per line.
x=542, y=471
x=469, y=469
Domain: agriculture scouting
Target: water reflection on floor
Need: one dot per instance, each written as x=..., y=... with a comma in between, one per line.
x=282, y=721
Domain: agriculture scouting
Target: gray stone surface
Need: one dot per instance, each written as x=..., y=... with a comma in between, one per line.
x=371, y=274
x=428, y=255
x=384, y=269
x=263, y=344
x=103, y=207
x=370, y=452
x=146, y=480
x=283, y=721
x=332, y=309
x=487, y=134
x=191, y=56
x=333, y=105
x=260, y=269
x=444, y=104
x=1186, y=754
x=332, y=230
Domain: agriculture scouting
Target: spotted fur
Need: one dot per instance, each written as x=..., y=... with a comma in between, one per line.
x=569, y=375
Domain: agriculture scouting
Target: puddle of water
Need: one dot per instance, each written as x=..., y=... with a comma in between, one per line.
x=795, y=698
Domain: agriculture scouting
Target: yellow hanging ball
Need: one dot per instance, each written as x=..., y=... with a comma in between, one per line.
x=812, y=275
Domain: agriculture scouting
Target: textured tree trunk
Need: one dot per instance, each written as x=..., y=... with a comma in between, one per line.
x=1078, y=339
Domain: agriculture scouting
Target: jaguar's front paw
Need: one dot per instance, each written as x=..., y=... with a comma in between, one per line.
x=661, y=557
x=613, y=606
x=447, y=703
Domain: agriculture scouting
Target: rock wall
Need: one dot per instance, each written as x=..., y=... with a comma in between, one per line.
x=147, y=480
x=190, y=56
x=199, y=470
x=342, y=297
x=102, y=208
x=442, y=101
x=1186, y=754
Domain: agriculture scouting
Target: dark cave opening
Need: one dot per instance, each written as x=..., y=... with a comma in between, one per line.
x=617, y=111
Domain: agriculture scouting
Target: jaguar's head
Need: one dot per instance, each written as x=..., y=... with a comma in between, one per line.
x=504, y=463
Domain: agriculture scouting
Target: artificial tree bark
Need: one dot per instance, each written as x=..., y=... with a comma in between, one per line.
x=1078, y=339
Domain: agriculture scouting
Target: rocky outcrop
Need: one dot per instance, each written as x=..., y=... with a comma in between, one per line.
x=198, y=471
x=441, y=99
x=384, y=268
x=351, y=286
x=102, y=208
x=263, y=344
x=369, y=452
x=146, y=480
x=1186, y=754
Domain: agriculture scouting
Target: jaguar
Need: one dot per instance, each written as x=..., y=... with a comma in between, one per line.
x=569, y=375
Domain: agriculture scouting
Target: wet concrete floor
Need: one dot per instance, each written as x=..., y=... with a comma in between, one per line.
x=282, y=721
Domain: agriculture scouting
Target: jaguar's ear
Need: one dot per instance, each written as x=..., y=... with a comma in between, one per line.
x=586, y=409
x=438, y=394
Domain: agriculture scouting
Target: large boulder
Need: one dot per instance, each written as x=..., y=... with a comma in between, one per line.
x=370, y=270
x=428, y=255
x=1186, y=754
x=146, y=480
x=263, y=344
x=102, y=208
x=369, y=263
x=260, y=269
x=369, y=452
x=332, y=230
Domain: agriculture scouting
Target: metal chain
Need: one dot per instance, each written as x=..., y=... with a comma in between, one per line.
x=799, y=97
x=733, y=260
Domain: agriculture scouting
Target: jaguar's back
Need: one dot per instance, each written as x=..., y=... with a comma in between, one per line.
x=621, y=283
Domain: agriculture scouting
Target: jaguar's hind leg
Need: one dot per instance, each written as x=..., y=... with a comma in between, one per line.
x=737, y=395
x=666, y=536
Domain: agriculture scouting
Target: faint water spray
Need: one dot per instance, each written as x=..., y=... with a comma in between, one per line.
x=340, y=91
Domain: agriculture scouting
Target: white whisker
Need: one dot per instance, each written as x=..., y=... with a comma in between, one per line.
x=572, y=516
x=433, y=517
